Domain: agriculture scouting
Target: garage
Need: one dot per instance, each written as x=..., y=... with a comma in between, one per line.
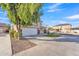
x=29, y=31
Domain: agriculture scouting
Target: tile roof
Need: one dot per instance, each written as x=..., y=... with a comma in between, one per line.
x=2, y=24
x=62, y=24
x=75, y=28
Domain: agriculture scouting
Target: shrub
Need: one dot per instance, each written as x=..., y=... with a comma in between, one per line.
x=13, y=34
x=53, y=35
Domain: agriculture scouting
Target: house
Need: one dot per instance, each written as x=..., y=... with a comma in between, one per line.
x=75, y=30
x=3, y=27
x=64, y=28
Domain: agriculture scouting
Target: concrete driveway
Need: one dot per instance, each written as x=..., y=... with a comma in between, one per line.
x=5, y=45
x=68, y=45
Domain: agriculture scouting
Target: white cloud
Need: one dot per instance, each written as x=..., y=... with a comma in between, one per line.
x=62, y=22
x=54, y=8
x=73, y=17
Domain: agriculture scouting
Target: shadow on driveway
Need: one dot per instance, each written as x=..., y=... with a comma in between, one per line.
x=65, y=38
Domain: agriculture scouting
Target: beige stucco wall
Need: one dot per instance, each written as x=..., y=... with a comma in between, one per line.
x=64, y=29
x=76, y=32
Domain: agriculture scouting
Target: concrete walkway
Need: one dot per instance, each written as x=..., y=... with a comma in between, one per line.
x=5, y=45
x=66, y=46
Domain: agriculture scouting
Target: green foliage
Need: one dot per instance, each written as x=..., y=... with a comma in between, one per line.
x=29, y=13
x=13, y=34
x=50, y=28
x=22, y=14
x=53, y=35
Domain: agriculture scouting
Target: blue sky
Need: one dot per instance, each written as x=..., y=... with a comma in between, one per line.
x=60, y=13
x=3, y=17
x=53, y=14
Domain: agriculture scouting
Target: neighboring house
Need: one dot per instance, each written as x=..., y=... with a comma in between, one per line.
x=64, y=28
x=3, y=27
x=75, y=30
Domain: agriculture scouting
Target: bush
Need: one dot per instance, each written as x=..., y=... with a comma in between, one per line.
x=53, y=35
x=13, y=34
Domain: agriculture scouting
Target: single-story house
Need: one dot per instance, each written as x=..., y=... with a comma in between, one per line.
x=3, y=27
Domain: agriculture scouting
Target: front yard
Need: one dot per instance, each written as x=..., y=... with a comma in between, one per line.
x=20, y=45
x=65, y=46
x=24, y=43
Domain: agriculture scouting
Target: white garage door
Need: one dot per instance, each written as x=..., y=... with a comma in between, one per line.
x=29, y=31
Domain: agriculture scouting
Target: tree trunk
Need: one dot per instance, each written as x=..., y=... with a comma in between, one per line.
x=19, y=28
x=19, y=32
x=18, y=24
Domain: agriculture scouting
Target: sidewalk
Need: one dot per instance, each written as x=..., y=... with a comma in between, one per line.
x=5, y=45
